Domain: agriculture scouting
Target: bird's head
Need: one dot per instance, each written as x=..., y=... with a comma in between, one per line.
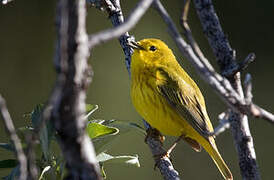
x=151, y=52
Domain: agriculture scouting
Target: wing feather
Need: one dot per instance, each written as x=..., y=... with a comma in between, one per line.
x=185, y=97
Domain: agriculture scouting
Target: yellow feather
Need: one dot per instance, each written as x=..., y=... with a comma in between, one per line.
x=169, y=100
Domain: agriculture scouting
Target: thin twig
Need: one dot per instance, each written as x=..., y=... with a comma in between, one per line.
x=117, y=31
x=196, y=49
x=209, y=68
x=249, y=59
x=191, y=40
x=259, y=112
x=20, y=155
x=223, y=124
x=241, y=66
x=248, y=89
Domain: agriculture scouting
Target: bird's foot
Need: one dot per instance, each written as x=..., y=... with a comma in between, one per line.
x=159, y=157
x=155, y=134
x=174, y=144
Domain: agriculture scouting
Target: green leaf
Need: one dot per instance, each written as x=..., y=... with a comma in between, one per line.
x=125, y=126
x=60, y=168
x=103, y=173
x=102, y=144
x=90, y=109
x=44, y=140
x=14, y=174
x=96, y=130
x=7, y=146
x=36, y=114
x=21, y=132
x=46, y=133
x=57, y=168
x=106, y=158
x=98, y=121
x=8, y=163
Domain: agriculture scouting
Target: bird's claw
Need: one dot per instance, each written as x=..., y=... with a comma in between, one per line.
x=154, y=133
x=159, y=157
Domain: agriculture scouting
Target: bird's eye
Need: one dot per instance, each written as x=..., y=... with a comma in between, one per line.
x=152, y=48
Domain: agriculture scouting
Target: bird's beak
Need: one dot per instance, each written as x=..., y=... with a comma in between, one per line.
x=135, y=45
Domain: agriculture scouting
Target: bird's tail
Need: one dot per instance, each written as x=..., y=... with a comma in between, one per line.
x=212, y=150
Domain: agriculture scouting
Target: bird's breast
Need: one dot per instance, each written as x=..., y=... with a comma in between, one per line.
x=152, y=106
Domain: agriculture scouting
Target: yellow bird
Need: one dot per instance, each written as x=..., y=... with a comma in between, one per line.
x=169, y=100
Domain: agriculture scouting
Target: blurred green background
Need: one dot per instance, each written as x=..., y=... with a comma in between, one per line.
x=27, y=44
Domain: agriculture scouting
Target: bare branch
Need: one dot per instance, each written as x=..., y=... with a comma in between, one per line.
x=226, y=58
x=154, y=139
x=248, y=89
x=110, y=7
x=249, y=59
x=67, y=103
x=259, y=112
x=117, y=31
x=241, y=66
x=223, y=125
x=191, y=40
x=20, y=155
x=117, y=19
x=195, y=47
x=217, y=39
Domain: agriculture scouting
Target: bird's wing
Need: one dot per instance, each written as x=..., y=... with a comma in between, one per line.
x=185, y=97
